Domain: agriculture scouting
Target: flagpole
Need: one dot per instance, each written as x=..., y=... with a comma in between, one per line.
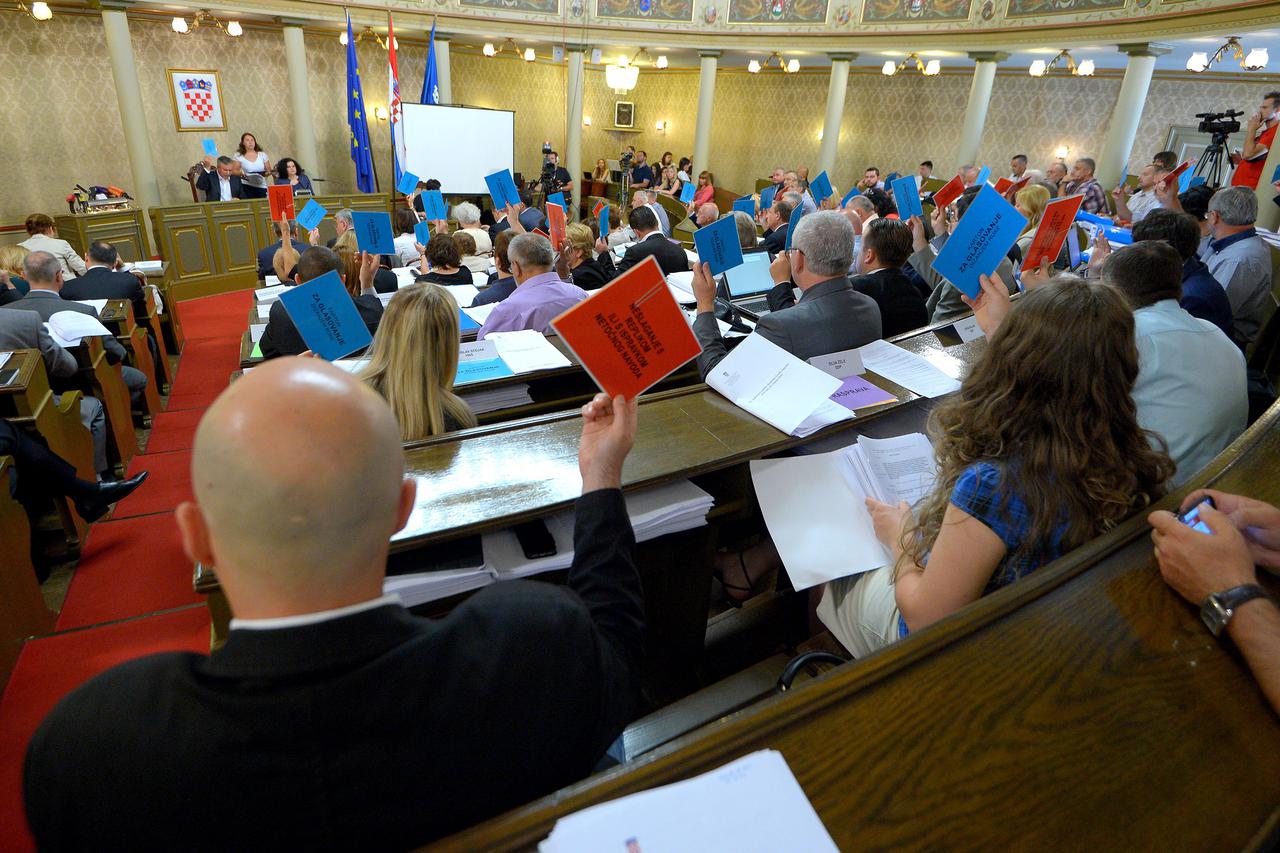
x=391, y=127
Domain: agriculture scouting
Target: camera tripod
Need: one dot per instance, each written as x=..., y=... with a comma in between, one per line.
x=1210, y=165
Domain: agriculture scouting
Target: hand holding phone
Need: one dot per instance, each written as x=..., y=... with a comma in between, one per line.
x=1191, y=518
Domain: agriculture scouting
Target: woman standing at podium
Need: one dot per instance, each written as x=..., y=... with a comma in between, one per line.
x=254, y=165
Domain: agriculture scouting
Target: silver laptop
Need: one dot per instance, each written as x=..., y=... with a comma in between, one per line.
x=748, y=282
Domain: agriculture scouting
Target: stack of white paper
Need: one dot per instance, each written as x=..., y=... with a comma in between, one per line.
x=68, y=328
x=256, y=330
x=911, y=371
x=267, y=295
x=528, y=350
x=464, y=294
x=271, y=280
x=96, y=304
x=815, y=506
x=751, y=805
x=480, y=313
x=145, y=266
x=405, y=276
x=780, y=389
x=496, y=399
x=432, y=586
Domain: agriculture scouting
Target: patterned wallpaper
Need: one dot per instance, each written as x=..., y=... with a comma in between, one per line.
x=758, y=120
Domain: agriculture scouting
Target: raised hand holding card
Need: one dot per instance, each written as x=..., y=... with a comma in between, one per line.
x=821, y=189
x=717, y=244
x=373, y=232
x=312, y=215
x=281, y=200
x=687, y=191
x=408, y=183
x=326, y=318
x=980, y=241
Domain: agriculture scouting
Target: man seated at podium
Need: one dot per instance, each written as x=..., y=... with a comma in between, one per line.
x=220, y=184
x=332, y=718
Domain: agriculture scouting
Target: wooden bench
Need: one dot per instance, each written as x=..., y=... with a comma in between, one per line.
x=1083, y=706
x=22, y=609
x=99, y=378
x=117, y=315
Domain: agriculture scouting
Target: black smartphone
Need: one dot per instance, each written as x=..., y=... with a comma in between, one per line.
x=535, y=539
x=1191, y=518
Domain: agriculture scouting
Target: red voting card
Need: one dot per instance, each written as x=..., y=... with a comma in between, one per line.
x=1003, y=185
x=1059, y=218
x=600, y=205
x=542, y=233
x=281, y=201
x=1171, y=179
x=1016, y=186
x=630, y=333
x=953, y=190
x=555, y=221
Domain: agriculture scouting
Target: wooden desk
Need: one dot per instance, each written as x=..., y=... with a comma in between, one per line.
x=27, y=401
x=123, y=229
x=1082, y=706
x=117, y=315
x=22, y=608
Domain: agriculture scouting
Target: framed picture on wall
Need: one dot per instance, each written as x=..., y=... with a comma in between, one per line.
x=197, y=100
x=624, y=114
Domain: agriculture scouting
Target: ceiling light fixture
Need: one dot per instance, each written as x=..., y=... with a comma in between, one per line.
x=1254, y=60
x=1040, y=68
x=785, y=66
x=204, y=16
x=932, y=69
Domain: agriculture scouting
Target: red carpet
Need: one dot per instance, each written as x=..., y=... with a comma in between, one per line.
x=221, y=316
x=174, y=430
x=168, y=485
x=52, y=667
x=130, y=568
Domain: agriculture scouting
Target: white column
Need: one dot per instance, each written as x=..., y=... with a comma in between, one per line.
x=573, y=131
x=975, y=113
x=706, y=95
x=146, y=189
x=835, y=111
x=304, y=129
x=443, y=75
x=1113, y=161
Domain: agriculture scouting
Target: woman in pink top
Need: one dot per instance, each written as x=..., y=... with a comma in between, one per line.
x=706, y=189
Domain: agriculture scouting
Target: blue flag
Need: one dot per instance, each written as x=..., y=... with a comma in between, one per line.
x=430, y=79
x=361, y=152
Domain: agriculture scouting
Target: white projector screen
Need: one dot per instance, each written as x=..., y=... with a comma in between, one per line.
x=458, y=146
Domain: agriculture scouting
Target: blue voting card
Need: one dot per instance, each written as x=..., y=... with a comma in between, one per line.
x=850, y=194
x=558, y=198
x=326, y=317
x=791, y=226
x=766, y=197
x=746, y=204
x=210, y=147
x=986, y=232
x=502, y=188
x=408, y=183
x=479, y=371
x=422, y=232
x=466, y=323
x=1199, y=179
x=982, y=176
x=717, y=244
x=1184, y=181
x=890, y=178
x=311, y=215
x=604, y=223
x=1275, y=176
x=433, y=206
x=687, y=191
x=907, y=195
x=373, y=232
x=821, y=189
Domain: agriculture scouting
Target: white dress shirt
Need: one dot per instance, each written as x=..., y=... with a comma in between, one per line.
x=278, y=622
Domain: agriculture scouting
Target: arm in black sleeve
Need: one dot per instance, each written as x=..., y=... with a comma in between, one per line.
x=604, y=576
x=782, y=296
x=714, y=348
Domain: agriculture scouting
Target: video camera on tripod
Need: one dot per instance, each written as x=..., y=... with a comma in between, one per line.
x=548, y=177
x=1219, y=126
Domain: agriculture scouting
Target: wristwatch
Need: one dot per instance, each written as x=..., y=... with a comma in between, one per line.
x=1219, y=607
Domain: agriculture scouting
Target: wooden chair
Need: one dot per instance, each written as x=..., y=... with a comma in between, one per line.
x=22, y=609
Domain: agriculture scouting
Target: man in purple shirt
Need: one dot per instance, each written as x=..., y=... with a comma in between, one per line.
x=540, y=295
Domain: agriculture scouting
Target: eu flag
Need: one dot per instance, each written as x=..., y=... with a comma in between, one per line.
x=430, y=80
x=361, y=153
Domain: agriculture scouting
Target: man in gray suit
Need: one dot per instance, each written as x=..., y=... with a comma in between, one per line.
x=830, y=316
x=45, y=276
x=24, y=330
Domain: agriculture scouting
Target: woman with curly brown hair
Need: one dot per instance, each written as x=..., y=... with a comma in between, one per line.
x=1038, y=453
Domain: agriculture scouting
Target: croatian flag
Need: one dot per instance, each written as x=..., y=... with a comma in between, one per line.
x=394, y=106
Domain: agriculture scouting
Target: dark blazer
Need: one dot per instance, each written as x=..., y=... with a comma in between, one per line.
x=496, y=292
x=671, y=256
x=46, y=304
x=103, y=283
x=776, y=240
x=25, y=330
x=303, y=185
x=830, y=317
x=530, y=218
x=902, y=308
x=9, y=294
x=594, y=273
x=375, y=731
x=281, y=337
x=1203, y=297
x=213, y=187
x=265, y=256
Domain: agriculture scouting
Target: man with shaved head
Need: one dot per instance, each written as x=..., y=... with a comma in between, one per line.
x=332, y=718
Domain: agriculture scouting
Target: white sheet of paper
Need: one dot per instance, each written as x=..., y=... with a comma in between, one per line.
x=264, y=311
x=841, y=365
x=528, y=350
x=96, y=304
x=147, y=266
x=4, y=356
x=72, y=326
x=968, y=329
x=682, y=281
x=480, y=313
x=256, y=330
x=406, y=276
x=907, y=369
x=271, y=280
x=771, y=383
x=750, y=805
x=477, y=351
x=464, y=294
x=901, y=468
x=264, y=295
x=155, y=291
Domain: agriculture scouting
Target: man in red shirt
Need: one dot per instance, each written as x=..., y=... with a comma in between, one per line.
x=1259, y=136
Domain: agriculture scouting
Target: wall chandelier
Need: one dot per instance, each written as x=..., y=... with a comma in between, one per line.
x=204, y=16
x=1255, y=60
x=39, y=10
x=1040, y=68
x=528, y=54
x=787, y=66
x=368, y=32
x=931, y=69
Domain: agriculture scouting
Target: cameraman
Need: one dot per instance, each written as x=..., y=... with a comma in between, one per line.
x=560, y=179
x=1258, y=138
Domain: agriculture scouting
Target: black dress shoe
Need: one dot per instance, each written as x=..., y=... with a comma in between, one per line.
x=95, y=505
